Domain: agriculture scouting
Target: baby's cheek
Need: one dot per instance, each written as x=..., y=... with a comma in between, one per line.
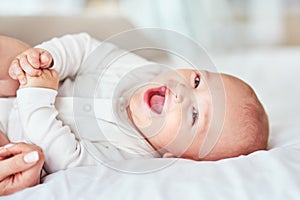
x=171, y=128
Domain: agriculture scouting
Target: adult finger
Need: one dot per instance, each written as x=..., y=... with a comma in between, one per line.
x=33, y=174
x=18, y=163
x=18, y=148
x=4, y=153
x=21, y=147
x=20, y=181
x=28, y=67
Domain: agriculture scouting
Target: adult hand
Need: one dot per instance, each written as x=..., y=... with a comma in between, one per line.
x=20, y=167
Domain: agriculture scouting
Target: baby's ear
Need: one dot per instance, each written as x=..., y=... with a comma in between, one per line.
x=168, y=155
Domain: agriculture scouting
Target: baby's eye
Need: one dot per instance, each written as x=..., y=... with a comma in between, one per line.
x=197, y=81
x=195, y=116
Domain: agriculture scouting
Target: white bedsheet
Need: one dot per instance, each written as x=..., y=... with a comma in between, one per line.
x=272, y=174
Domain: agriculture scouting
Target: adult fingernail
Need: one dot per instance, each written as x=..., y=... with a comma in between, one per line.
x=31, y=157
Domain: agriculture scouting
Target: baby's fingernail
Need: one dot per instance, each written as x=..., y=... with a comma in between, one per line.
x=31, y=157
x=8, y=145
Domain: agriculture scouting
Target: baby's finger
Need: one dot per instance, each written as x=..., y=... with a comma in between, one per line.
x=16, y=72
x=27, y=67
x=45, y=59
x=54, y=74
x=11, y=73
x=12, y=68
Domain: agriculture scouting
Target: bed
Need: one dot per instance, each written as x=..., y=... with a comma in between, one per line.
x=272, y=174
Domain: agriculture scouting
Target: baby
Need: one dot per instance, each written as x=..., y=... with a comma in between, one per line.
x=177, y=113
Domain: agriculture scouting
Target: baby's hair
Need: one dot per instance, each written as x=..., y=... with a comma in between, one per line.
x=249, y=125
x=254, y=125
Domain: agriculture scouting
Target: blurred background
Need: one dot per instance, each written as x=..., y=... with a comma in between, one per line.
x=218, y=25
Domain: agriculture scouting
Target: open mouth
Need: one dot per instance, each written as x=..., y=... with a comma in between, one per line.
x=155, y=98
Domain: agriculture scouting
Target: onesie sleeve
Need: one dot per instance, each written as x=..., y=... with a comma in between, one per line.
x=69, y=52
x=39, y=120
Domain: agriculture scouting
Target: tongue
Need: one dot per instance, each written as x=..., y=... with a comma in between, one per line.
x=157, y=103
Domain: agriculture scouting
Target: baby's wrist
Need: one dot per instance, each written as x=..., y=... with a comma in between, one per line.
x=38, y=86
x=45, y=86
x=43, y=96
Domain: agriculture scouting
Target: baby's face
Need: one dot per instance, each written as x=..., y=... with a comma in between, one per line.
x=173, y=112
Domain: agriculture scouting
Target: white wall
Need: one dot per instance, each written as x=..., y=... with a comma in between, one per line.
x=218, y=24
x=38, y=7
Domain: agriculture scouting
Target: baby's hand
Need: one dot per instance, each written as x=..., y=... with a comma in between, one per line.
x=30, y=62
x=48, y=79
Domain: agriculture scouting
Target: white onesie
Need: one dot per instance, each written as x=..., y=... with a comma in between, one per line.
x=79, y=127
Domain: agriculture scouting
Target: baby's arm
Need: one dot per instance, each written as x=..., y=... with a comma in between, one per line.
x=38, y=115
x=69, y=52
x=65, y=54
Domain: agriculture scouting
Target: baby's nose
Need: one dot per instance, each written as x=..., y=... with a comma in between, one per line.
x=178, y=98
x=180, y=93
